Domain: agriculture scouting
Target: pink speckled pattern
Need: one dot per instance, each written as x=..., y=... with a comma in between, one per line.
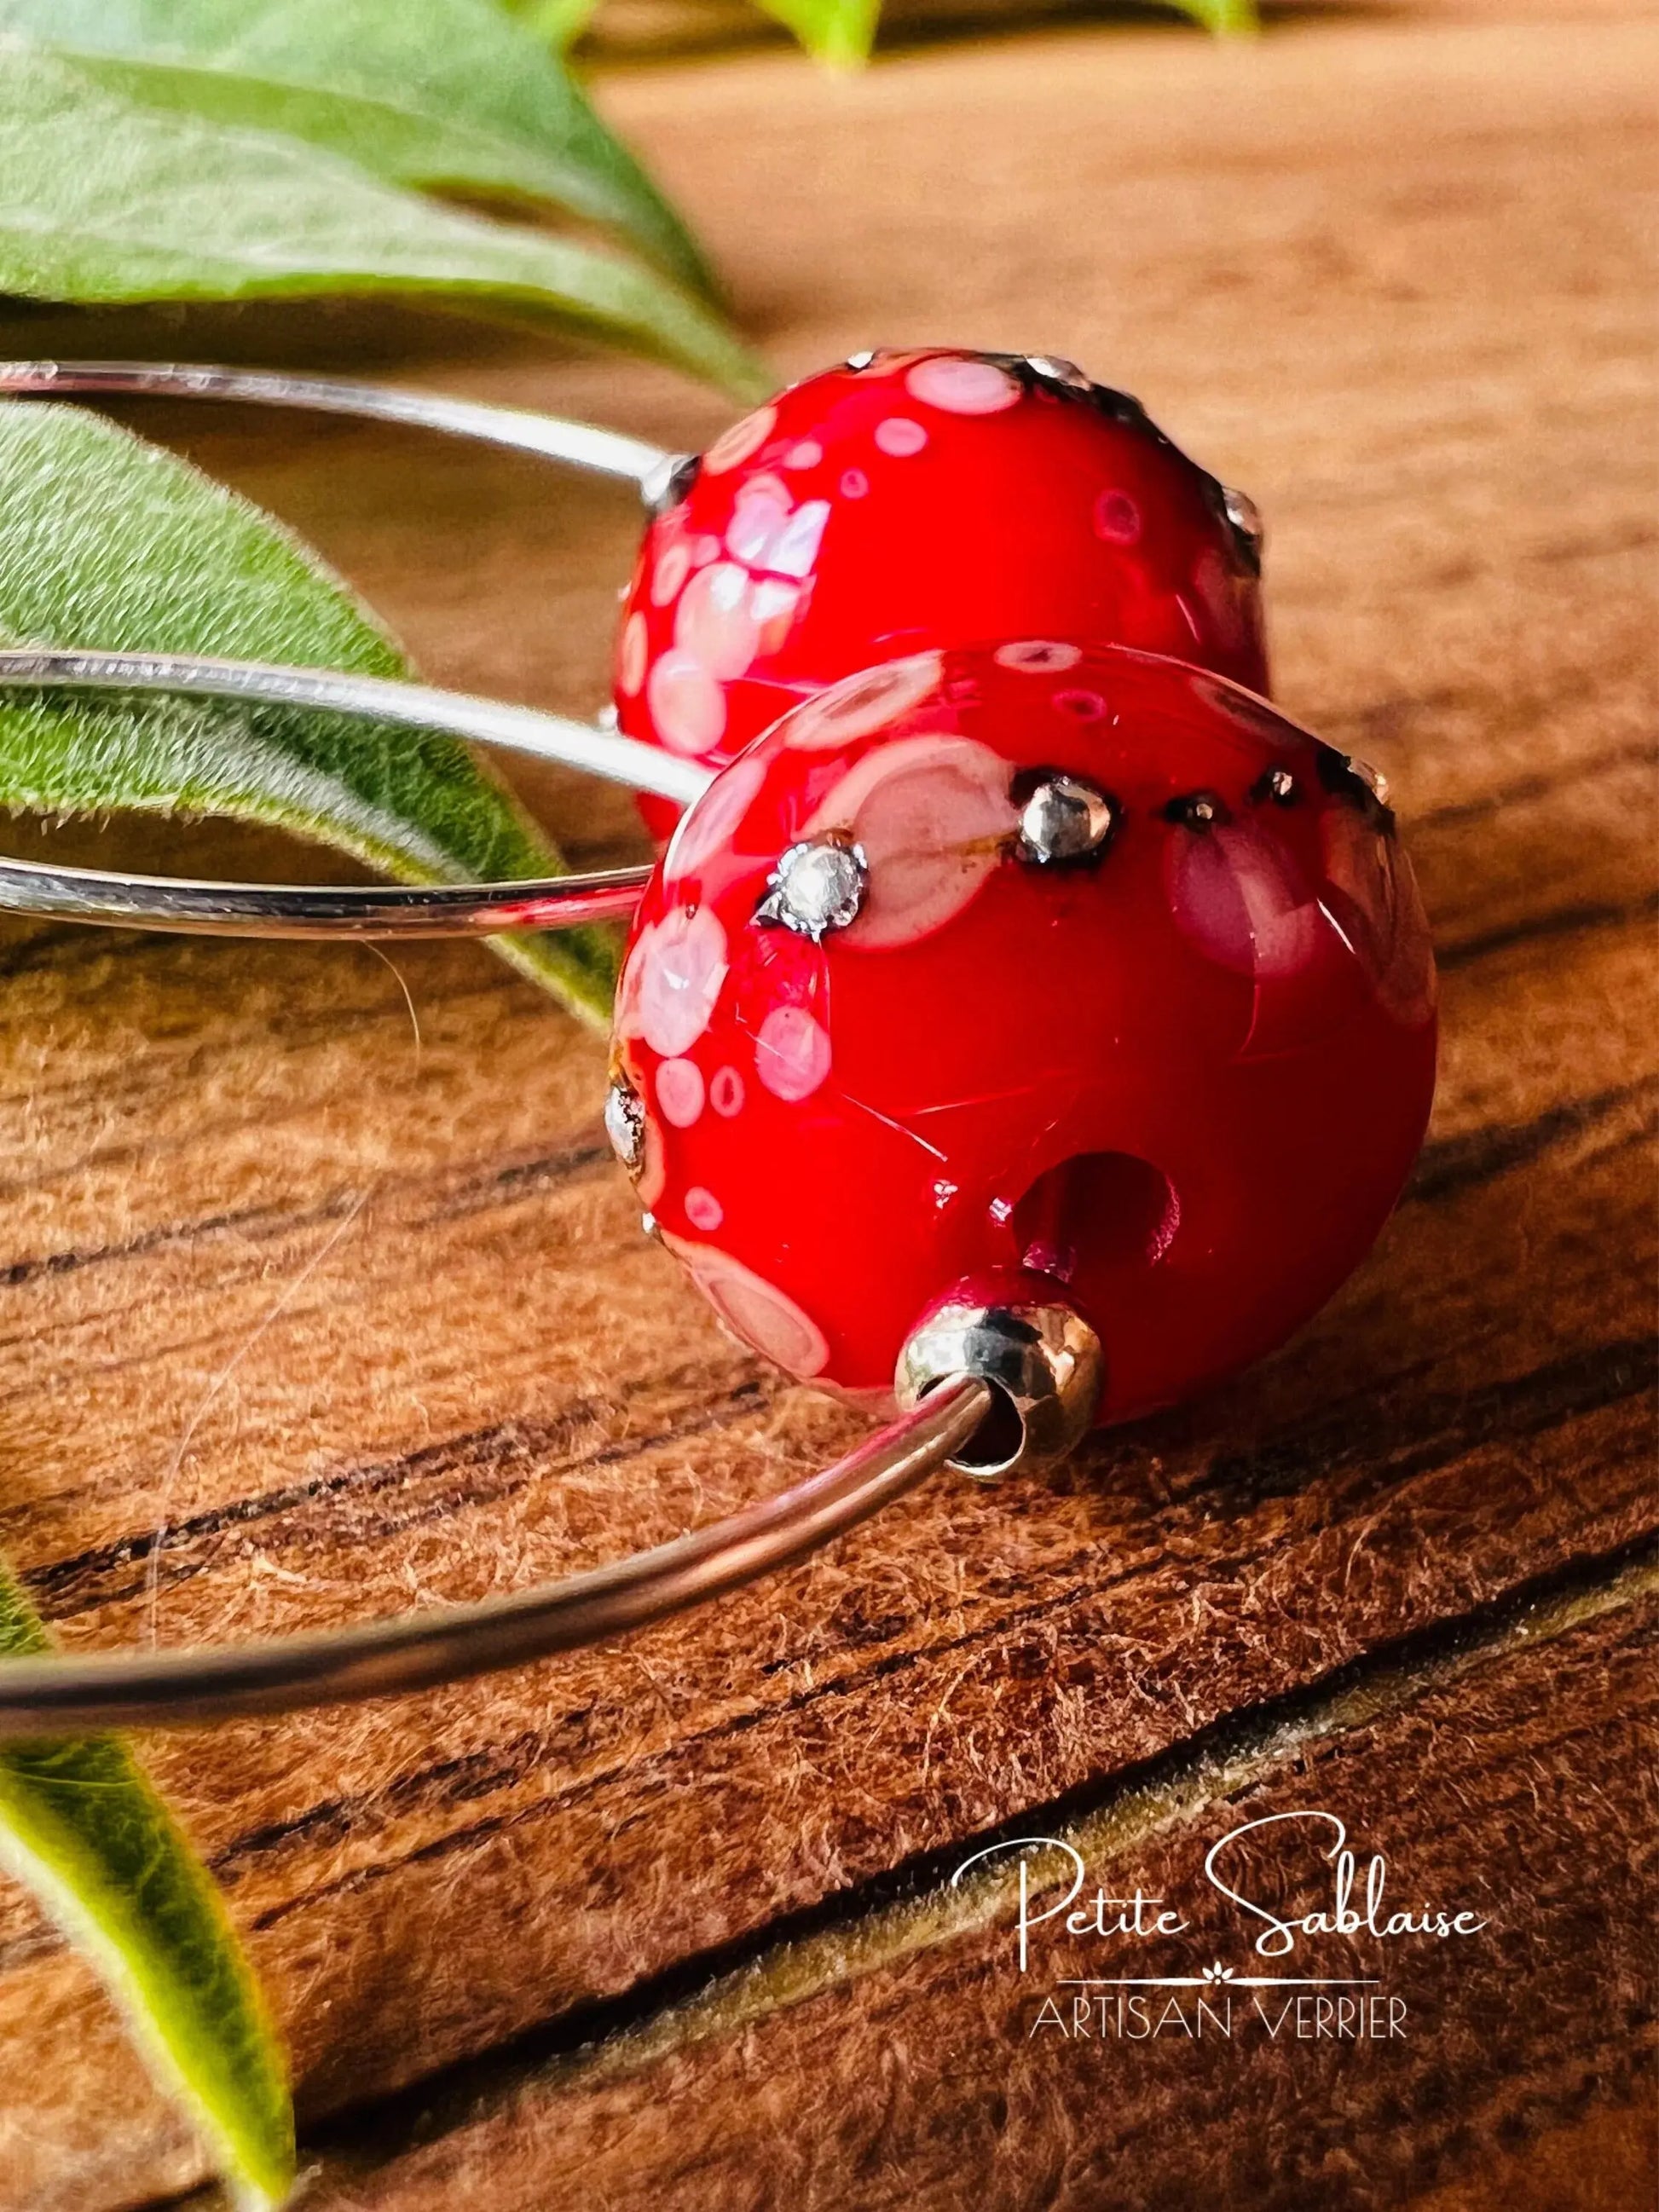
x=1183, y=1079
x=935, y=498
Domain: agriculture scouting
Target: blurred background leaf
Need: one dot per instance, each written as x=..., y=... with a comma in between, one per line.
x=103, y=200
x=442, y=94
x=1227, y=19
x=558, y=21
x=838, y=33
x=81, y=1826
x=112, y=544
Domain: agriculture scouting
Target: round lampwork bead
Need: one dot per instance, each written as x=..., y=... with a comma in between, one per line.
x=909, y=501
x=1044, y=963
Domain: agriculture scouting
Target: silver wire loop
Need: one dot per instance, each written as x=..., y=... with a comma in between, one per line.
x=521, y=429
x=414, y=1651
x=89, y=895
x=92, y=895
x=418, y=1650
x=44, y=1697
x=192, y=908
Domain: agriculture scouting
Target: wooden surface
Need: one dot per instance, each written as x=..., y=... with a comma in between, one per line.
x=319, y=1294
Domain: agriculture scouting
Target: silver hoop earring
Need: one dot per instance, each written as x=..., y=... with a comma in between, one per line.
x=221, y=909
x=883, y=1137
x=95, y=896
x=517, y=429
x=420, y=1650
x=951, y=1395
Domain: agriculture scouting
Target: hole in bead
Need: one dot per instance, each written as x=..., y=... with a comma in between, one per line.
x=998, y=1444
x=1097, y=1209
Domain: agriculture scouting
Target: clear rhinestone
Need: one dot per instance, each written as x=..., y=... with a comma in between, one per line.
x=862, y=360
x=1245, y=518
x=1053, y=368
x=815, y=888
x=1280, y=785
x=1373, y=779
x=624, y=1123
x=1065, y=819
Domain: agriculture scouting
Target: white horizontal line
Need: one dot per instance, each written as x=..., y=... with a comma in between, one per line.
x=1208, y=1982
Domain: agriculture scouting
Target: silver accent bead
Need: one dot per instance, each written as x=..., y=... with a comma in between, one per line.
x=861, y=360
x=624, y=1123
x=1280, y=785
x=1055, y=369
x=1065, y=819
x=666, y=485
x=1245, y=518
x=1373, y=779
x=649, y=1226
x=1199, y=810
x=1044, y=1362
x=815, y=888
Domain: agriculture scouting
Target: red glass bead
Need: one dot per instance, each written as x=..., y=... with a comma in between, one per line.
x=926, y=499
x=868, y=1044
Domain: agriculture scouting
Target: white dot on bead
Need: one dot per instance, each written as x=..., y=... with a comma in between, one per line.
x=703, y=1210
x=683, y=964
x=743, y=438
x=859, y=705
x=670, y=572
x=726, y=1092
x=1038, y=656
x=680, y=1091
x=686, y=705
x=630, y=660
x=900, y=437
x=761, y=1314
x=962, y=387
x=714, y=622
x=791, y=1054
x=1117, y=518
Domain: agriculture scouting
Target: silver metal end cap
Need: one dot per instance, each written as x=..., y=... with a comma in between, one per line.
x=667, y=484
x=1040, y=1357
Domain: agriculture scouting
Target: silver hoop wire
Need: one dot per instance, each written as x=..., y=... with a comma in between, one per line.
x=521, y=429
x=414, y=1651
x=419, y=1650
x=44, y=1697
x=92, y=895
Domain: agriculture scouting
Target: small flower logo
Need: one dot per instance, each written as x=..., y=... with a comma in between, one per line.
x=1218, y=1972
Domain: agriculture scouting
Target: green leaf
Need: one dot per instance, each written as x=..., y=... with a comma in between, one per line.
x=112, y=544
x=841, y=32
x=81, y=1826
x=560, y=22
x=1226, y=19
x=447, y=94
x=104, y=202
x=837, y=32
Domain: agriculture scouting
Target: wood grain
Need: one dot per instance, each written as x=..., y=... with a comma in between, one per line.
x=910, y=2061
x=309, y=1308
